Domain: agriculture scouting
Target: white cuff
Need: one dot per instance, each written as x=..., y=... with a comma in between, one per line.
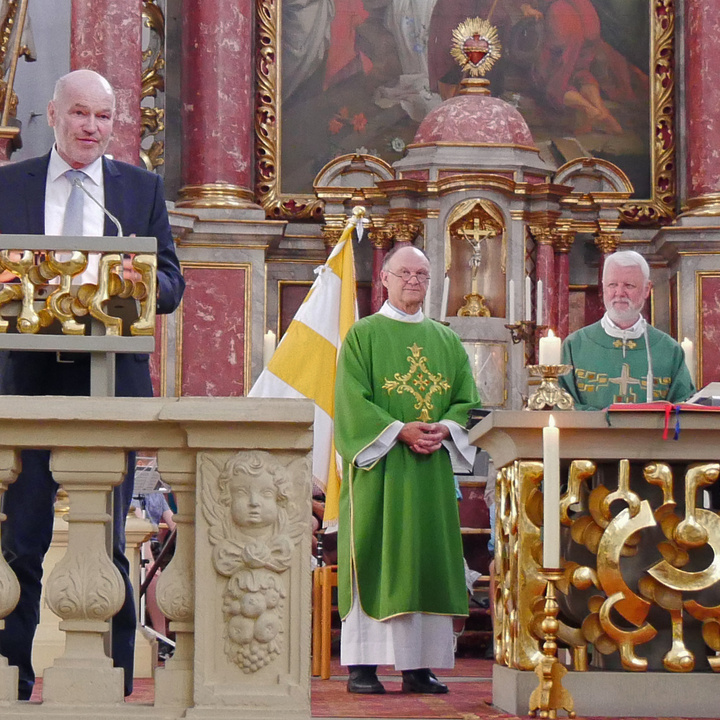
x=462, y=454
x=381, y=447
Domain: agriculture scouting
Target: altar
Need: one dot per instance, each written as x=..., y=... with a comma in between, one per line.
x=639, y=596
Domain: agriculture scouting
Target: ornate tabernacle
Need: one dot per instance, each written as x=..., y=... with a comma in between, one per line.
x=639, y=591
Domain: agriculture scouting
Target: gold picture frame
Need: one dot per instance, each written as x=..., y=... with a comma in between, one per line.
x=656, y=210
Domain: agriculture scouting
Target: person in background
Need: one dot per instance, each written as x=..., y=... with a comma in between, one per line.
x=622, y=358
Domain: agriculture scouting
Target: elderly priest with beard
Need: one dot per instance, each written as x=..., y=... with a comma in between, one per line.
x=621, y=358
x=404, y=389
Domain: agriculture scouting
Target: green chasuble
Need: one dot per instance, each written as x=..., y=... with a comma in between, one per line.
x=602, y=376
x=399, y=529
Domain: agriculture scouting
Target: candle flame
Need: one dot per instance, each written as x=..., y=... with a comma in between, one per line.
x=551, y=334
x=551, y=421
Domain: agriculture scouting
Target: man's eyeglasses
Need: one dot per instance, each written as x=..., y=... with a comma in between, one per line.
x=422, y=276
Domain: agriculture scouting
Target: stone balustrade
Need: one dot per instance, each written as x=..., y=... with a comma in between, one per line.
x=237, y=591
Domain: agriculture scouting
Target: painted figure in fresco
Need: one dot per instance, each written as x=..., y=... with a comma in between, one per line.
x=254, y=526
x=621, y=358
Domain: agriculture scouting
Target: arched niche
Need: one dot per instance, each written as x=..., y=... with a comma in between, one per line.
x=475, y=258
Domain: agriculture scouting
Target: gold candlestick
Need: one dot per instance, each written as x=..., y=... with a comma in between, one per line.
x=525, y=331
x=550, y=394
x=550, y=695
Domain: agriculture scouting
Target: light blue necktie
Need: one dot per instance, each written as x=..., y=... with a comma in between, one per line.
x=73, y=221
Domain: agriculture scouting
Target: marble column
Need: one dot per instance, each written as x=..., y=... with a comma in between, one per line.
x=382, y=242
x=106, y=36
x=607, y=242
x=562, y=244
x=702, y=38
x=217, y=104
x=545, y=271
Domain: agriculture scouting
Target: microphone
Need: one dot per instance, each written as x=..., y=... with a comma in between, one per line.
x=79, y=183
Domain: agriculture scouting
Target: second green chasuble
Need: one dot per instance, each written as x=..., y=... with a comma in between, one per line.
x=605, y=373
x=399, y=530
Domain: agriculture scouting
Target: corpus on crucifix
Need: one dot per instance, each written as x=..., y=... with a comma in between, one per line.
x=475, y=231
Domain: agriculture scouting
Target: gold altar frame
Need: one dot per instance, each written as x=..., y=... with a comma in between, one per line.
x=659, y=209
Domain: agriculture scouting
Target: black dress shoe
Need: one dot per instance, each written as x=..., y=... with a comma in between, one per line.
x=364, y=680
x=422, y=681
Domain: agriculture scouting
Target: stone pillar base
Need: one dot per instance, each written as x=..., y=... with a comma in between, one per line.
x=8, y=682
x=100, y=685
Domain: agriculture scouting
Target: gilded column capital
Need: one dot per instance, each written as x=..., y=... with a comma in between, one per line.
x=404, y=231
x=607, y=241
x=542, y=234
x=563, y=239
x=381, y=237
x=331, y=235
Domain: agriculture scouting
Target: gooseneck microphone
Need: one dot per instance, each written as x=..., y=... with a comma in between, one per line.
x=79, y=183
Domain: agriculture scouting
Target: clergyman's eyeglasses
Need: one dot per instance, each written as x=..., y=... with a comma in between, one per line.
x=422, y=276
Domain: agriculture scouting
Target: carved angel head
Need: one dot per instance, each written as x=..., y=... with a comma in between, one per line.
x=256, y=488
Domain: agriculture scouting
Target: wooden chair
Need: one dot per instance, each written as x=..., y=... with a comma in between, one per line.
x=324, y=580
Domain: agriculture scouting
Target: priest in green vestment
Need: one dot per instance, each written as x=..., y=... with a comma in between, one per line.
x=621, y=358
x=404, y=388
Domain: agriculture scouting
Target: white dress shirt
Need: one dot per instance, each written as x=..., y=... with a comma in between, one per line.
x=57, y=192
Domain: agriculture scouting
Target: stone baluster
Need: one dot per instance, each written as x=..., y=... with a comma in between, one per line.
x=9, y=586
x=85, y=589
x=176, y=586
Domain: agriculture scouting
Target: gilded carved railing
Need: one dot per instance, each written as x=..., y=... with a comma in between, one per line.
x=31, y=303
x=641, y=565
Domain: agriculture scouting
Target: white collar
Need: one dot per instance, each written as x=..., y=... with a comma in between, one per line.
x=58, y=167
x=632, y=333
x=393, y=313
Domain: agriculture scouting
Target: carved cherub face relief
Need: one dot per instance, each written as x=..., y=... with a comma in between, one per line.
x=254, y=501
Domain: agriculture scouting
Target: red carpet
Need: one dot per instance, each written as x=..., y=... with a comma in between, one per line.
x=469, y=697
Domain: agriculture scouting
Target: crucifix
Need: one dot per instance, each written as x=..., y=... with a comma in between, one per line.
x=475, y=232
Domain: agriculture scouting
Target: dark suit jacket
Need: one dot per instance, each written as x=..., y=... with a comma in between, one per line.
x=136, y=198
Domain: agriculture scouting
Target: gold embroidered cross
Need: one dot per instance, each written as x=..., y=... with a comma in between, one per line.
x=631, y=344
x=419, y=382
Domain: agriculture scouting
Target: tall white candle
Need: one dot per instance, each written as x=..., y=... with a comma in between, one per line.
x=550, y=349
x=445, y=295
x=551, y=495
x=426, y=303
x=689, y=351
x=268, y=347
x=511, y=303
x=539, y=302
x=528, y=298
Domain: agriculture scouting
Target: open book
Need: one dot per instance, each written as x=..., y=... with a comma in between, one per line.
x=666, y=407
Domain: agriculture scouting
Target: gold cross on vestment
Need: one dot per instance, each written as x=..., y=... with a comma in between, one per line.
x=631, y=344
x=419, y=382
x=625, y=380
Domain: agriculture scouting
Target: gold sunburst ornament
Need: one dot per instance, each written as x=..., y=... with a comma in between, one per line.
x=475, y=46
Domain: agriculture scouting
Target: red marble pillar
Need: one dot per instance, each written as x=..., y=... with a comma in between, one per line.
x=702, y=99
x=106, y=36
x=217, y=103
x=378, y=293
x=562, y=268
x=545, y=271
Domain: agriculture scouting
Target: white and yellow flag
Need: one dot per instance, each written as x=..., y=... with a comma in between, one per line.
x=305, y=362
